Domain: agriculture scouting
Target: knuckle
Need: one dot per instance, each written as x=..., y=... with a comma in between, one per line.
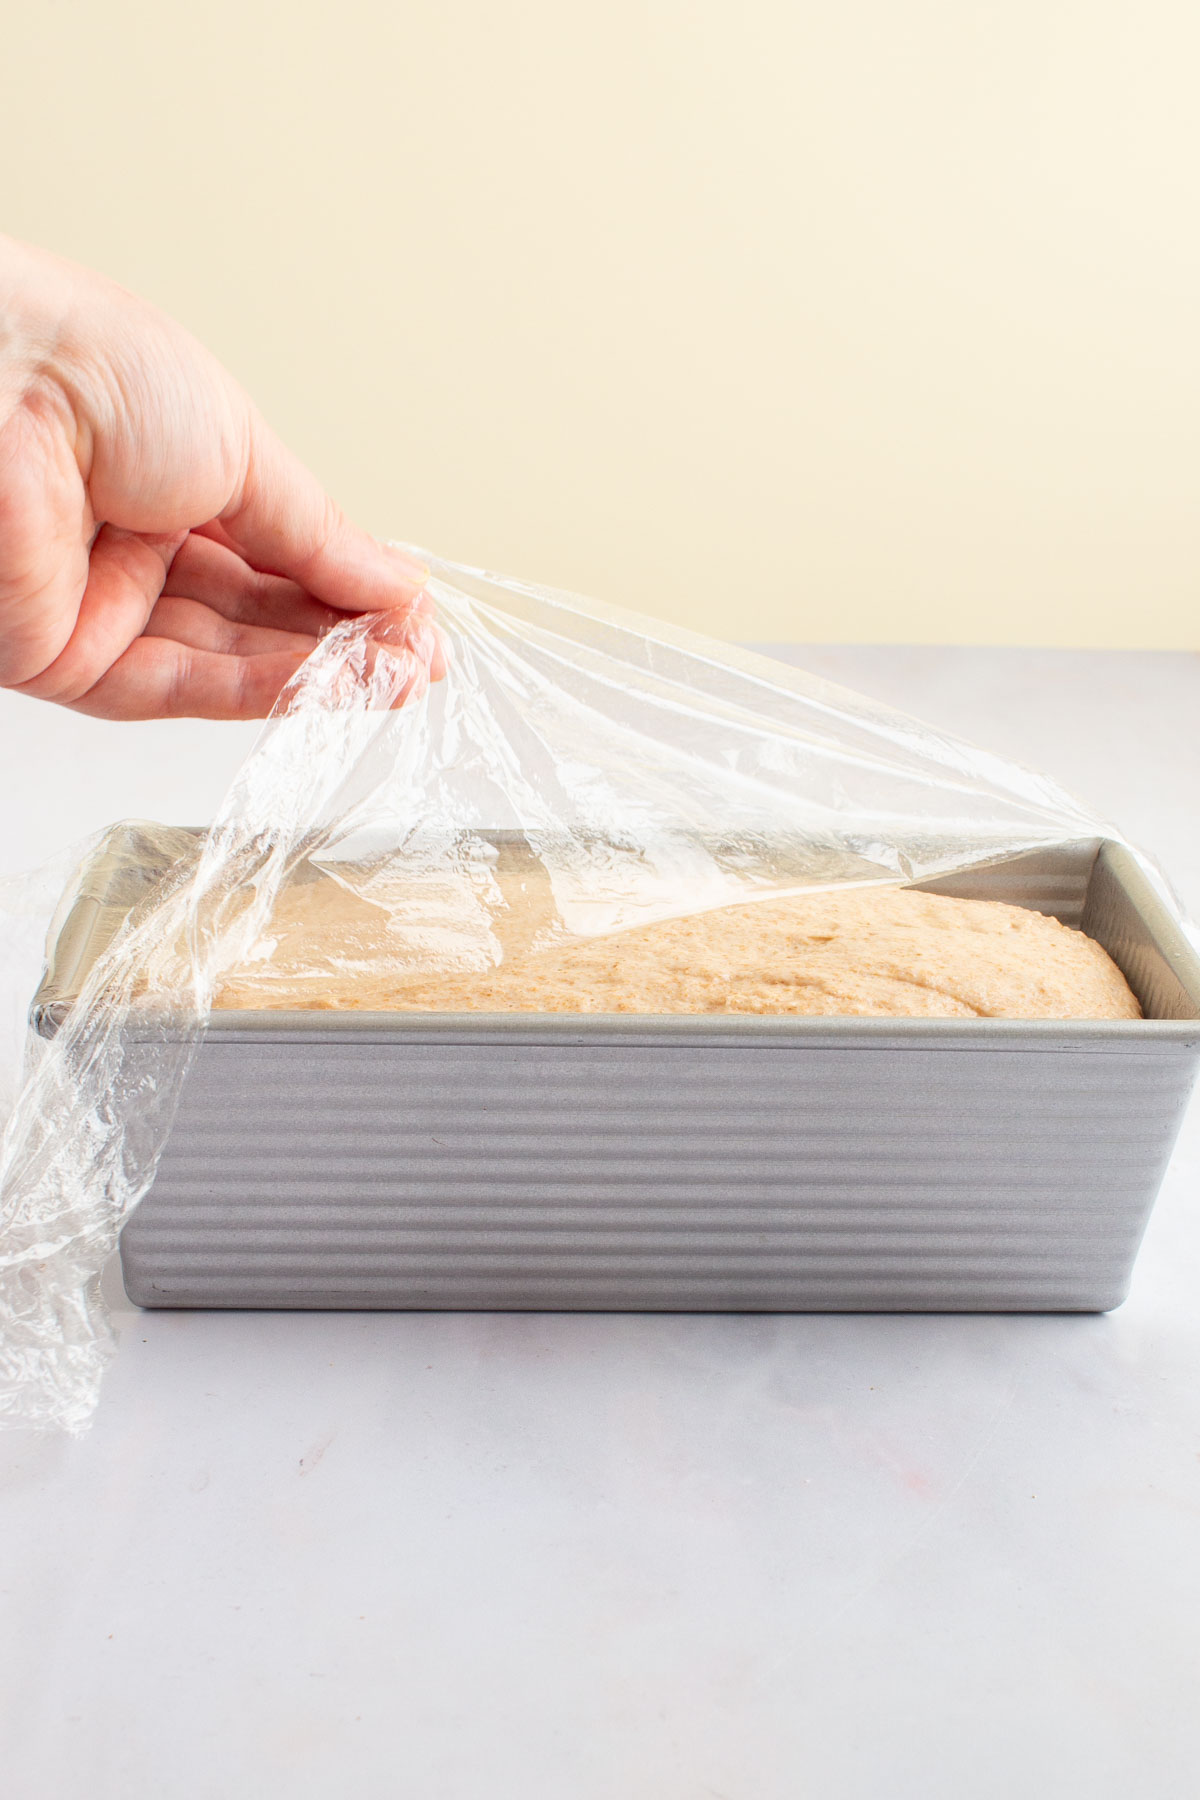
x=329, y=527
x=178, y=680
x=61, y=686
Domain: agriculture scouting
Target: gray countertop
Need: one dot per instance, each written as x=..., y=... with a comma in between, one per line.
x=596, y=1556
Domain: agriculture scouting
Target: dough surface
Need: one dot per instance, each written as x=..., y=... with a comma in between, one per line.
x=868, y=952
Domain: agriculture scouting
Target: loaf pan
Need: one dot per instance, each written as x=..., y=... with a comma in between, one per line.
x=668, y=1163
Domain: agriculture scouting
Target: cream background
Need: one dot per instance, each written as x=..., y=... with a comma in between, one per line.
x=789, y=321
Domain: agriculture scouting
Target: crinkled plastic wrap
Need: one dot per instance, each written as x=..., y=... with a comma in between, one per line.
x=646, y=773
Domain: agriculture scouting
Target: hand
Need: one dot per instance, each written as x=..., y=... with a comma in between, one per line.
x=161, y=553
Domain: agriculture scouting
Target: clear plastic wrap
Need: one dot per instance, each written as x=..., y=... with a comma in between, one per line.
x=646, y=772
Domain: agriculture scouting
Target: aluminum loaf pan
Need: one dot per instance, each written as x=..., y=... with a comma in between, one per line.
x=683, y=1163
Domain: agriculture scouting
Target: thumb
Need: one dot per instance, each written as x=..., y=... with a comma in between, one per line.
x=282, y=522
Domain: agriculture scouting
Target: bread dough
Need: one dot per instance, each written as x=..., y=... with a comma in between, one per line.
x=873, y=952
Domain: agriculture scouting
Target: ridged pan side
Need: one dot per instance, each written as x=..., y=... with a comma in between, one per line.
x=657, y=1178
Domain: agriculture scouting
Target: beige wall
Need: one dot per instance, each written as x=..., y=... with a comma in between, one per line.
x=839, y=319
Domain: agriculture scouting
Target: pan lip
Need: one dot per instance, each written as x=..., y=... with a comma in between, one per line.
x=647, y=1030
x=68, y=958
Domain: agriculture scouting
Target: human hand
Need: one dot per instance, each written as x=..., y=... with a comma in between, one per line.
x=161, y=553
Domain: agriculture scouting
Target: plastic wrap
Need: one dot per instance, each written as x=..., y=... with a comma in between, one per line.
x=646, y=772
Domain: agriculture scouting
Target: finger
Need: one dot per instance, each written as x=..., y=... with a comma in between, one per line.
x=420, y=633
x=190, y=622
x=158, y=678
x=206, y=571
x=411, y=637
x=438, y=658
x=282, y=522
x=125, y=578
x=215, y=531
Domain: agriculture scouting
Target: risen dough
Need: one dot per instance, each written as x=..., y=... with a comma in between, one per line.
x=875, y=951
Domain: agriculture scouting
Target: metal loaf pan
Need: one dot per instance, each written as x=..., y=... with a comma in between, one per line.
x=677, y=1163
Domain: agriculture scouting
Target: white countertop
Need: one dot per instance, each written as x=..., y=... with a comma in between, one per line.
x=604, y=1557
